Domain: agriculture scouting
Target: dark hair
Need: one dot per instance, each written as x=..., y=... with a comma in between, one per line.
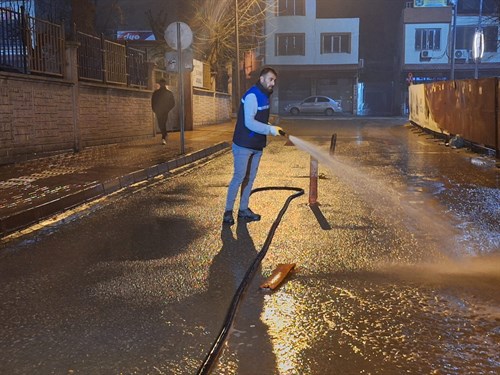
x=266, y=70
x=162, y=82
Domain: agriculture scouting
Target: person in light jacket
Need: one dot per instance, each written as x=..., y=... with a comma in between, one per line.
x=249, y=140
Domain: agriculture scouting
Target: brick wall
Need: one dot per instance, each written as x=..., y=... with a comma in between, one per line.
x=112, y=115
x=40, y=116
x=210, y=107
x=35, y=117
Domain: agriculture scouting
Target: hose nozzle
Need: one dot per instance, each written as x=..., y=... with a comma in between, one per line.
x=282, y=132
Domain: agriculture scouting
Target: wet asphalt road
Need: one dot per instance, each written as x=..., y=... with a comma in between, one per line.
x=398, y=267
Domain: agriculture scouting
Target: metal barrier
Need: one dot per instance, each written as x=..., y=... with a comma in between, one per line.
x=47, y=56
x=34, y=46
x=30, y=45
x=90, y=57
x=137, y=68
x=110, y=62
x=13, y=54
x=115, y=58
x=333, y=144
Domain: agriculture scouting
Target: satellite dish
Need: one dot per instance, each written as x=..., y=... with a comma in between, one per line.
x=186, y=35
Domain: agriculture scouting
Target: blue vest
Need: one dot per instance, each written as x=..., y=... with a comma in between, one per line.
x=243, y=136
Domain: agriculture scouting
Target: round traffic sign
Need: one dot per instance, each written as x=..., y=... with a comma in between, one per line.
x=186, y=35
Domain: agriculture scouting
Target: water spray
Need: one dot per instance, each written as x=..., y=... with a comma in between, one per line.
x=313, y=164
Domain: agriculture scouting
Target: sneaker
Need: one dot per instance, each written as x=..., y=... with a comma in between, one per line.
x=228, y=218
x=163, y=141
x=248, y=215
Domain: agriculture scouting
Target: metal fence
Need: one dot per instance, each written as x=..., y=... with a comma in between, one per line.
x=35, y=46
x=30, y=45
x=90, y=57
x=110, y=62
x=136, y=67
x=47, y=56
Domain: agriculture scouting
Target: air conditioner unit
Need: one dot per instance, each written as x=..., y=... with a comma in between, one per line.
x=426, y=54
x=461, y=54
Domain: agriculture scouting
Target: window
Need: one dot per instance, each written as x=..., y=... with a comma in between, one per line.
x=290, y=44
x=335, y=43
x=291, y=8
x=465, y=36
x=490, y=38
x=427, y=39
x=471, y=7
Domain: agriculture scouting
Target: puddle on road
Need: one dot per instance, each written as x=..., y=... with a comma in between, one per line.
x=463, y=231
x=436, y=318
x=368, y=323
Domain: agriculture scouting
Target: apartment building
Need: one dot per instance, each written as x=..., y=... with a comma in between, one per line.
x=427, y=51
x=313, y=55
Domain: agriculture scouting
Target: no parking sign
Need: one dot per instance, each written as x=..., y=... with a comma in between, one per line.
x=409, y=79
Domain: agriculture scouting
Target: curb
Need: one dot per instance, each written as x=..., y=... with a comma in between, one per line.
x=474, y=147
x=30, y=216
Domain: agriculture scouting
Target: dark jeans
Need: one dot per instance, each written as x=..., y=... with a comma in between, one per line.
x=162, y=123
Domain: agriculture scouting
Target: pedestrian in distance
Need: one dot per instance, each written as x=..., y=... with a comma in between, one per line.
x=162, y=103
x=249, y=139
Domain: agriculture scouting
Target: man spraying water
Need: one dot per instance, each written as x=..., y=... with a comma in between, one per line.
x=249, y=140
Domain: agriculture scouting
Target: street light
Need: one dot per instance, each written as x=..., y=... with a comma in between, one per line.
x=454, y=38
x=236, y=31
x=478, y=42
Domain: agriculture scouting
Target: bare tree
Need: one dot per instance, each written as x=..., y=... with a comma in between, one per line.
x=90, y=16
x=83, y=14
x=159, y=18
x=214, y=30
x=158, y=22
x=108, y=17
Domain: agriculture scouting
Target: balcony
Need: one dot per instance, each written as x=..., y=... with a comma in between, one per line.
x=427, y=15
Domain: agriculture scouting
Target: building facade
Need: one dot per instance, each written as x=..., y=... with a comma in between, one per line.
x=437, y=42
x=313, y=56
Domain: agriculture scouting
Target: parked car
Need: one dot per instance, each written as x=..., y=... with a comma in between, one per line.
x=315, y=104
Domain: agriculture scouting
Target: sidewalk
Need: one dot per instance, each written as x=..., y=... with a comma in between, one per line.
x=36, y=189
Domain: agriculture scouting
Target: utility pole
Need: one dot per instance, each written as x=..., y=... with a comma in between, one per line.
x=180, y=72
x=237, y=34
x=478, y=46
x=454, y=39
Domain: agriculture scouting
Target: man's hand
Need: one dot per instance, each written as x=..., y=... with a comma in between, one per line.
x=275, y=130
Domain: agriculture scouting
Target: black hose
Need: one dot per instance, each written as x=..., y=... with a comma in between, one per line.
x=219, y=342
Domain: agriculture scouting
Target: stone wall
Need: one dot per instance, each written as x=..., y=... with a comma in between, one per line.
x=36, y=116
x=112, y=114
x=40, y=116
x=210, y=107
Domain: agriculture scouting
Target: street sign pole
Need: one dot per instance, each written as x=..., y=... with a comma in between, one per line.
x=454, y=39
x=238, y=78
x=179, y=36
x=181, y=85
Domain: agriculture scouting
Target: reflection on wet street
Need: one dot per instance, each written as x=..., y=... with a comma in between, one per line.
x=405, y=277
x=398, y=267
x=365, y=323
